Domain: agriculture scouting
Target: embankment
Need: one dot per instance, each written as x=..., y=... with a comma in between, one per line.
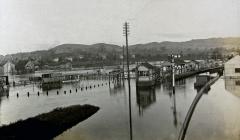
x=48, y=125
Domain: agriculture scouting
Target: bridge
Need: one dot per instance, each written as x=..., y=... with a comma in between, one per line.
x=199, y=71
x=159, y=75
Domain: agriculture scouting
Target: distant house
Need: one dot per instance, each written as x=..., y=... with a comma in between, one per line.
x=201, y=63
x=179, y=66
x=8, y=67
x=66, y=66
x=232, y=67
x=69, y=59
x=166, y=65
x=56, y=59
x=30, y=67
x=103, y=56
x=80, y=56
x=191, y=65
x=195, y=64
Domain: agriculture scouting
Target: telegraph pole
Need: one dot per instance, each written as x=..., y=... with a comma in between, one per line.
x=173, y=69
x=123, y=63
x=126, y=33
x=173, y=74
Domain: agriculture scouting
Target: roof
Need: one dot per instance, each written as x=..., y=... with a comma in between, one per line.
x=234, y=60
x=179, y=62
x=200, y=60
x=29, y=63
x=166, y=63
x=147, y=65
x=9, y=62
x=195, y=61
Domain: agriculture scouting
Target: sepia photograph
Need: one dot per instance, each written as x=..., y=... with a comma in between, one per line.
x=119, y=70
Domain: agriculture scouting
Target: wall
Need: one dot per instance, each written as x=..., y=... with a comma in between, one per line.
x=229, y=69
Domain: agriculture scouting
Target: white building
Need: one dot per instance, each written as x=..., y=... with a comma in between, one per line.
x=81, y=56
x=69, y=59
x=56, y=59
x=232, y=67
x=8, y=67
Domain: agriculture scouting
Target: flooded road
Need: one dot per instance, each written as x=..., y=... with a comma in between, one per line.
x=156, y=113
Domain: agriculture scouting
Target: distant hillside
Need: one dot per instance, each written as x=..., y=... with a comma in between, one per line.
x=112, y=52
x=81, y=49
x=186, y=47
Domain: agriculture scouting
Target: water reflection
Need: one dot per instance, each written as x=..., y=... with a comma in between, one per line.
x=116, y=88
x=233, y=85
x=181, y=82
x=174, y=109
x=4, y=92
x=161, y=112
x=145, y=98
x=172, y=96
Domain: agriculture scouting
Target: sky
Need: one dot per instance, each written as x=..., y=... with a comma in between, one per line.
x=28, y=25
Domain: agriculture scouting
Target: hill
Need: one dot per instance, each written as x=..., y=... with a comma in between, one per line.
x=187, y=47
x=197, y=48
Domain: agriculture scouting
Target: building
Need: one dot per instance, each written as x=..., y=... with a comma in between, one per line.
x=191, y=65
x=30, y=66
x=56, y=59
x=80, y=56
x=145, y=75
x=232, y=67
x=8, y=67
x=69, y=59
x=66, y=66
x=51, y=81
x=179, y=66
x=201, y=63
x=166, y=66
x=1, y=70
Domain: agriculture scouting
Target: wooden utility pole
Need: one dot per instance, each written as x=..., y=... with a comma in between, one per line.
x=173, y=74
x=126, y=33
x=173, y=70
x=123, y=63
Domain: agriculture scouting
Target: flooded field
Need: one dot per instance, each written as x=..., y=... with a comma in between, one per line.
x=156, y=113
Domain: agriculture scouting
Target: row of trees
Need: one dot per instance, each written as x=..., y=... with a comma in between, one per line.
x=102, y=58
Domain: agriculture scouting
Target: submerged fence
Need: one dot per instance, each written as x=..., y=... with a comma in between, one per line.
x=79, y=87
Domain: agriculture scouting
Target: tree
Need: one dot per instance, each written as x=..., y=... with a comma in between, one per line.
x=20, y=66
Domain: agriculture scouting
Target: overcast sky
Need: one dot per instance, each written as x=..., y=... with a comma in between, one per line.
x=27, y=25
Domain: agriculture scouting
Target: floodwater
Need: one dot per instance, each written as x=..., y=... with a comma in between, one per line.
x=157, y=114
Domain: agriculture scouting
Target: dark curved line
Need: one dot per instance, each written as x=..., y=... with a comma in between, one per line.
x=190, y=112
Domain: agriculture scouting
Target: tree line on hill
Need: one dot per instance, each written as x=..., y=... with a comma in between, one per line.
x=102, y=54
